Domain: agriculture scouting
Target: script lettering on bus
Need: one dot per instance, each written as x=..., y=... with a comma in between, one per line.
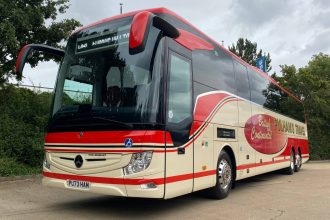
x=263, y=134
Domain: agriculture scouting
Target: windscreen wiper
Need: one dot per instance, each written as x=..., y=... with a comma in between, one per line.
x=123, y=124
x=73, y=117
x=114, y=121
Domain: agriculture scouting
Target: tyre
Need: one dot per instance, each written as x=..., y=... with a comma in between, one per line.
x=290, y=169
x=298, y=162
x=224, y=177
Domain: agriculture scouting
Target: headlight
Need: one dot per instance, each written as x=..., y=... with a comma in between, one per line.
x=138, y=163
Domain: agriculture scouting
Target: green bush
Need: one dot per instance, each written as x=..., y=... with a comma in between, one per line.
x=10, y=167
x=23, y=114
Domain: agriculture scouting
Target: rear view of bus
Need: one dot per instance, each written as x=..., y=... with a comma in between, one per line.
x=136, y=112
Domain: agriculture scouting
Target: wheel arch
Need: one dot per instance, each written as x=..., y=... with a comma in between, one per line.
x=299, y=150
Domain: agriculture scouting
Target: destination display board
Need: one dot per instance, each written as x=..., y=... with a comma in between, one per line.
x=102, y=41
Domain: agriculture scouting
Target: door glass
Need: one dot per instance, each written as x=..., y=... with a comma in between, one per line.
x=180, y=96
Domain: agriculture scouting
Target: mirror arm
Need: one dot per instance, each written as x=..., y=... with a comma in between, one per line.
x=27, y=49
x=167, y=28
x=47, y=49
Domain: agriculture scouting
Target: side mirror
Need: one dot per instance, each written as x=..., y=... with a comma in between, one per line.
x=140, y=28
x=27, y=50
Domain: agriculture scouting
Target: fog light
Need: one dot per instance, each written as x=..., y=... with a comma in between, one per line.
x=46, y=164
x=149, y=186
x=138, y=163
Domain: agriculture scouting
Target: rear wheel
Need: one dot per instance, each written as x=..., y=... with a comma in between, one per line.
x=290, y=169
x=225, y=177
x=298, y=162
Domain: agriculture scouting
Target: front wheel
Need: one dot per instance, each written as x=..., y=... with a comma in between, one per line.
x=225, y=177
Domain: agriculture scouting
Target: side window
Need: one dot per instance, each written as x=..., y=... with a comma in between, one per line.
x=180, y=94
x=259, y=87
x=279, y=101
x=200, y=89
x=214, y=69
x=242, y=81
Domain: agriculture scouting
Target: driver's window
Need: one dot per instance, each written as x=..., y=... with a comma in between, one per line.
x=180, y=94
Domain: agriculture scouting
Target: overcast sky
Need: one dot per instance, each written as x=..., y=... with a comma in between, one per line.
x=291, y=31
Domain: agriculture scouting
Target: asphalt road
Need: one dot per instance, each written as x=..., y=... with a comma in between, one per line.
x=305, y=195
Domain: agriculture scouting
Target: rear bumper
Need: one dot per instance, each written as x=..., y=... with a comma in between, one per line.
x=107, y=186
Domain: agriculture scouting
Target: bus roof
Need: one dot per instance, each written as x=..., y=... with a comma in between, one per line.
x=169, y=12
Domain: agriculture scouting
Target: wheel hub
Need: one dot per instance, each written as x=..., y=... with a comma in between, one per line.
x=225, y=173
x=298, y=160
x=292, y=161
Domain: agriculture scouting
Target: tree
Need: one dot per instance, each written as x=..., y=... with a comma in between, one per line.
x=247, y=50
x=312, y=84
x=30, y=21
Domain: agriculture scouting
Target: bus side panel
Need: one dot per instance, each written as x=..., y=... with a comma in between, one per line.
x=215, y=112
x=179, y=171
x=204, y=165
x=275, y=161
x=246, y=154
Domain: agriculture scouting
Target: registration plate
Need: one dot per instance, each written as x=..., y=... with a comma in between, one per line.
x=77, y=184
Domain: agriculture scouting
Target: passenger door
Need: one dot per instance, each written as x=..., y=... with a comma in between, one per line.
x=179, y=156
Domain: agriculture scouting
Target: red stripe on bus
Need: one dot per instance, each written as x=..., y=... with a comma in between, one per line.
x=204, y=173
x=94, y=179
x=92, y=151
x=127, y=181
x=253, y=165
x=108, y=137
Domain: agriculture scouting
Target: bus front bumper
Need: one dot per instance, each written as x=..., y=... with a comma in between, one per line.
x=132, y=188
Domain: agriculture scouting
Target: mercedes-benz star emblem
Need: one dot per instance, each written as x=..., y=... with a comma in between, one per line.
x=128, y=142
x=81, y=134
x=78, y=161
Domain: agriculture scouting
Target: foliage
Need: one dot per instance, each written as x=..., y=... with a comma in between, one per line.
x=312, y=84
x=30, y=21
x=24, y=115
x=10, y=167
x=247, y=50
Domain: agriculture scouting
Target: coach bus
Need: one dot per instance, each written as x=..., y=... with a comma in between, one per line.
x=146, y=105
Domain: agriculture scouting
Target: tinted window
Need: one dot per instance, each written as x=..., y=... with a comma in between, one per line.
x=279, y=101
x=98, y=78
x=242, y=81
x=180, y=95
x=214, y=69
x=259, y=85
x=200, y=89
